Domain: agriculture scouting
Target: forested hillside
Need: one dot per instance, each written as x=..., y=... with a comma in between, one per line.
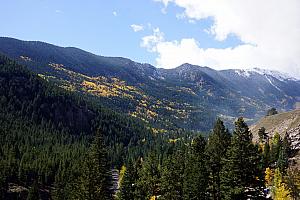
x=46, y=132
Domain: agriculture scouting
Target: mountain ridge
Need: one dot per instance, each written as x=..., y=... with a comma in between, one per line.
x=259, y=70
x=188, y=96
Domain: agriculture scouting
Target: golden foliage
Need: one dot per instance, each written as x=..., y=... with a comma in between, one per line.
x=121, y=175
x=269, y=176
x=281, y=190
x=173, y=140
x=153, y=198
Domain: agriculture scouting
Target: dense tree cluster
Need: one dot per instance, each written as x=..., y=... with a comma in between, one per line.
x=222, y=166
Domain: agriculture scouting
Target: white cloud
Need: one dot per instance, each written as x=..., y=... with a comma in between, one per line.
x=152, y=41
x=115, y=13
x=270, y=30
x=136, y=27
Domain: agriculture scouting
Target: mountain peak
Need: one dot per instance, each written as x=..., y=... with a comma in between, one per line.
x=265, y=72
x=276, y=74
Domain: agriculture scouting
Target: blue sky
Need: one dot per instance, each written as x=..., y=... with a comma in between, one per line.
x=93, y=26
x=219, y=34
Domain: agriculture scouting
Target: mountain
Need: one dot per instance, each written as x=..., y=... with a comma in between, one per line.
x=188, y=97
x=39, y=53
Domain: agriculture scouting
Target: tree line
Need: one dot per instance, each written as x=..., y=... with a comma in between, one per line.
x=223, y=166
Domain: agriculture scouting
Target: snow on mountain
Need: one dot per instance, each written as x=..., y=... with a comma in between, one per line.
x=246, y=73
x=276, y=74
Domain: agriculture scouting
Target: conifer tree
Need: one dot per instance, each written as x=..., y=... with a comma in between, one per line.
x=173, y=177
x=241, y=165
x=271, y=112
x=196, y=173
x=262, y=134
x=275, y=147
x=149, y=178
x=284, y=153
x=218, y=143
x=127, y=185
x=266, y=155
x=286, y=144
x=95, y=182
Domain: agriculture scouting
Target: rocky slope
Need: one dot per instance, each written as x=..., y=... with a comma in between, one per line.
x=283, y=123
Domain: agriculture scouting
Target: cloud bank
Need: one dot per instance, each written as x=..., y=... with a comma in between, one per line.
x=268, y=29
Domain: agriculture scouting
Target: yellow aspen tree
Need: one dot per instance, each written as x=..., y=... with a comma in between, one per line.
x=269, y=177
x=121, y=175
x=281, y=190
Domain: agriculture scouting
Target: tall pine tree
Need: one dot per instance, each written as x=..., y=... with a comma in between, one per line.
x=284, y=154
x=241, y=165
x=196, y=173
x=173, y=177
x=149, y=178
x=127, y=186
x=95, y=182
x=218, y=143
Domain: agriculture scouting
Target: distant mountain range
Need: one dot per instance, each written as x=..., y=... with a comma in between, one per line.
x=188, y=96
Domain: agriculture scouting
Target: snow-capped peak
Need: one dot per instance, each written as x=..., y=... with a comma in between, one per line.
x=275, y=74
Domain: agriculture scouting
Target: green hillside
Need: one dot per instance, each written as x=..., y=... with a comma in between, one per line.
x=46, y=131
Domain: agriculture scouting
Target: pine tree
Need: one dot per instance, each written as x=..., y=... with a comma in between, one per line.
x=284, y=154
x=173, y=177
x=149, y=178
x=275, y=147
x=262, y=134
x=266, y=155
x=218, y=143
x=241, y=166
x=196, y=173
x=127, y=185
x=95, y=182
x=272, y=111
